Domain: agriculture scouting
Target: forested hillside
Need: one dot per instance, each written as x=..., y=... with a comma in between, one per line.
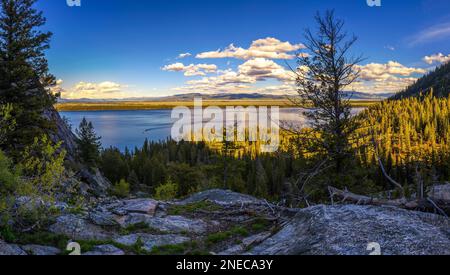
x=412, y=137
x=439, y=80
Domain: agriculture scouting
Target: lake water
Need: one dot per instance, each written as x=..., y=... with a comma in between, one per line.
x=130, y=128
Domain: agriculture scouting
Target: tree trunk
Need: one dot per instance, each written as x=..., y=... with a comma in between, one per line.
x=427, y=205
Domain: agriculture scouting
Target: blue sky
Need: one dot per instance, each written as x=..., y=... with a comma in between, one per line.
x=128, y=48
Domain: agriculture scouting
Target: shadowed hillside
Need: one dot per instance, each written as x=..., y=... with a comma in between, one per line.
x=439, y=80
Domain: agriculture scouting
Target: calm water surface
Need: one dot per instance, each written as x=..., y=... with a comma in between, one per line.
x=130, y=128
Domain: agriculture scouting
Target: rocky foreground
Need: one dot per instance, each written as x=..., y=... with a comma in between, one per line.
x=219, y=222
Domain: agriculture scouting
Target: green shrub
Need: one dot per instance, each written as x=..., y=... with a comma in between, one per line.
x=173, y=249
x=9, y=183
x=43, y=167
x=9, y=175
x=7, y=122
x=42, y=164
x=260, y=225
x=167, y=191
x=121, y=189
x=218, y=237
x=239, y=231
x=193, y=207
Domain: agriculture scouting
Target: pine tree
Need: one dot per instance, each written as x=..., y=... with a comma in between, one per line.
x=88, y=143
x=25, y=80
x=322, y=78
x=261, y=180
x=133, y=180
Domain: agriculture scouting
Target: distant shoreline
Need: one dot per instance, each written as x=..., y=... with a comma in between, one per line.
x=161, y=105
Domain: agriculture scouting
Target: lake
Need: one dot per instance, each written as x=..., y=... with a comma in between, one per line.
x=130, y=128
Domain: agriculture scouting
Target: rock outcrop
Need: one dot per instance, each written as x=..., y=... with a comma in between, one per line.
x=149, y=241
x=105, y=250
x=221, y=197
x=62, y=133
x=40, y=250
x=141, y=206
x=227, y=223
x=10, y=249
x=97, y=183
x=348, y=229
x=79, y=228
x=174, y=224
x=440, y=192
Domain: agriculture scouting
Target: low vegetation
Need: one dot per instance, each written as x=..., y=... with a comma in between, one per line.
x=193, y=208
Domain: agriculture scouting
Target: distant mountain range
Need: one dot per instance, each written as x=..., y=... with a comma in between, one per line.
x=226, y=96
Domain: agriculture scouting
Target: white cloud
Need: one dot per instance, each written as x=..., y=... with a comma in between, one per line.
x=192, y=69
x=225, y=82
x=258, y=66
x=176, y=67
x=183, y=55
x=262, y=69
x=107, y=89
x=247, y=74
x=389, y=77
x=388, y=71
x=392, y=85
x=269, y=47
x=436, y=58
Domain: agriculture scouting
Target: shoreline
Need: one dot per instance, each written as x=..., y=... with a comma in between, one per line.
x=164, y=105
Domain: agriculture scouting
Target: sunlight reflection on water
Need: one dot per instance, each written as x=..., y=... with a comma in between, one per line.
x=130, y=128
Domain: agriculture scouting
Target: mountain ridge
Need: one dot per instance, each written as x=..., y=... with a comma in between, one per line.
x=224, y=96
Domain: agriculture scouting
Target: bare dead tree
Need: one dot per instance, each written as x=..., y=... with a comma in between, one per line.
x=380, y=162
x=441, y=207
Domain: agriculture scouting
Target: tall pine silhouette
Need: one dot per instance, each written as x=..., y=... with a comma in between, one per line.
x=322, y=78
x=25, y=80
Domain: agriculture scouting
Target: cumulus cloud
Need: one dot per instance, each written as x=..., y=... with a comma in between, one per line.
x=192, y=69
x=107, y=89
x=437, y=58
x=226, y=82
x=392, y=85
x=247, y=74
x=262, y=69
x=259, y=65
x=269, y=47
x=389, y=77
x=388, y=71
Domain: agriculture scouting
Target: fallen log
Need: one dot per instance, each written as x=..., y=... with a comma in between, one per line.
x=441, y=207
